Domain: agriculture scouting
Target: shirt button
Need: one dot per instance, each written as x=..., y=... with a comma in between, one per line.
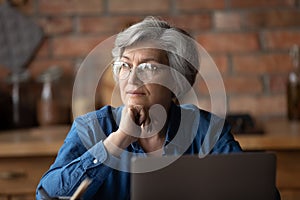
x=95, y=161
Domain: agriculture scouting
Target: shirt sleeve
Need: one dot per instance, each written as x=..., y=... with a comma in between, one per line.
x=215, y=135
x=226, y=142
x=73, y=164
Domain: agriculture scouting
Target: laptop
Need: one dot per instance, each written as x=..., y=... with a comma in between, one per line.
x=238, y=176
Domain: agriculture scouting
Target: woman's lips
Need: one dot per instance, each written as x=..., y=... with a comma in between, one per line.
x=135, y=93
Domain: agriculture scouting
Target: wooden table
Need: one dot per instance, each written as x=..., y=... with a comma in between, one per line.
x=279, y=135
x=283, y=138
x=24, y=156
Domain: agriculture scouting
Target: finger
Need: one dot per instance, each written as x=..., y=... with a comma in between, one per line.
x=134, y=114
x=157, y=116
x=143, y=116
x=140, y=114
x=127, y=123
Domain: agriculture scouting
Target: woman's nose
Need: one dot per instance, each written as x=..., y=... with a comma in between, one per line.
x=133, y=78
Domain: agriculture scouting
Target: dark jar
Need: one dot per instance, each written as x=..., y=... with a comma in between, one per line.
x=293, y=87
x=293, y=97
x=20, y=101
x=49, y=108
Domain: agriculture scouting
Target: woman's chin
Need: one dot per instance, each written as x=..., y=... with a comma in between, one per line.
x=136, y=101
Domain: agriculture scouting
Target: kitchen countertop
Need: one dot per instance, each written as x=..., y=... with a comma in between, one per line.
x=278, y=135
x=45, y=141
x=39, y=141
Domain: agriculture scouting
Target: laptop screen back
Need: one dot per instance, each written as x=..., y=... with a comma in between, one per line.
x=225, y=176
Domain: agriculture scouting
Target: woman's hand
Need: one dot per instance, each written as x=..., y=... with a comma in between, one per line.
x=136, y=122
x=132, y=120
x=140, y=122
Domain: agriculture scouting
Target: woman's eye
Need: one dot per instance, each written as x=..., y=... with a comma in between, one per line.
x=125, y=65
x=147, y=67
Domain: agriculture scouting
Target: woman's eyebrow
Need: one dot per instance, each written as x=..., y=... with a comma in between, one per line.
x=125, y=57
x=150, y=59
x=143, y=60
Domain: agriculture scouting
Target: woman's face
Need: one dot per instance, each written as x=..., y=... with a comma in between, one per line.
x=135, y=91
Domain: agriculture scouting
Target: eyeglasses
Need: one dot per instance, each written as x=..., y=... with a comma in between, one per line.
x=144, y=71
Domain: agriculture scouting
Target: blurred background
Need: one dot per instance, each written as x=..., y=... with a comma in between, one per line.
x=249, y=40
x=254, y=44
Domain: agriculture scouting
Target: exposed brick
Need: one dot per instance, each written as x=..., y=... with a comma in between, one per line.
x=137, y=6
x=193, y=5
x=56, y=25
x=229, y=42
x=202, y=85
x=192, y=22
x=281, y=39
x=278, y=83
x=26, y=8
x=210, y=61
x=70, y=7
x=260, y=3
x=75, y=45
x=228, y=21
x=221, y=62
x=236, y=85
x=259, y=106
x=262, y=63
x=38, y=66
x=43, y=50
x=216, y=105
x=243, y=85
x=112, y=24
x=271, y=19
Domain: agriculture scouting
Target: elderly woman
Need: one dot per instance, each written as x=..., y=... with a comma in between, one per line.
x=154, y=65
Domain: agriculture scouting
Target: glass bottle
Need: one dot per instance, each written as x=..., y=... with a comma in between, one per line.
x=293, y=86
x=48, y=107
x=22, y=105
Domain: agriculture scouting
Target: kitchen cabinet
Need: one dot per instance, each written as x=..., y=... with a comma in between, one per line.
x=25, y=155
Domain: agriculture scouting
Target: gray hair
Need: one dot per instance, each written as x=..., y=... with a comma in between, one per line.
x=180, y=47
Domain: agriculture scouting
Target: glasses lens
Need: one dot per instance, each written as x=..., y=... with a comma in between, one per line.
x=121, y=69
x=116, y=68
x=146, y=71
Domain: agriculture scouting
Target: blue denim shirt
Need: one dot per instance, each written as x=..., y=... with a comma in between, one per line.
x=190, y=131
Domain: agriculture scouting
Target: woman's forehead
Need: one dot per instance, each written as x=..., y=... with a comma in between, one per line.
x=132, y=53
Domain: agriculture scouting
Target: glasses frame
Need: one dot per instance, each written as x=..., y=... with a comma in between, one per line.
x=138, y=70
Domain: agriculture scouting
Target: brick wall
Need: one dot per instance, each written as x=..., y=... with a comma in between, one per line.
x=248, y=39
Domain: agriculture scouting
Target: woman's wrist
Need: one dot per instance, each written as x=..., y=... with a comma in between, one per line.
x=117, y=141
